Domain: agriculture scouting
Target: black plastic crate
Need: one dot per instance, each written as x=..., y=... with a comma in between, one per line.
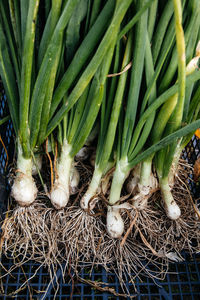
x=181, y=282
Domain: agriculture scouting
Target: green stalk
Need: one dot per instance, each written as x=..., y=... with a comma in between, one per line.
x=193, y=41
x=24, y=6
x=153, y=10
x=172, y=66
x=156, y=104
x=173, y=169
x=120, y=174
x=166, y=47
x=95, y=11
x=73, y=36
x=92, y=66
x=26, y=75
x=125, y=166
x=82, y=54
x=8, y=79
x=107, y=140
x=122, y=166
x=190, y=49
x=135, y=19
x=161, y=30
x=15, y=24
x=43, y=43
x=47, y=7
x=98, y=86
x=181, y=60
x=165, y=142
x=135, y=81
x=176, y=119
x=108, y=102
x=193, y=105
x=165, y=158
x=18, y=25
x=49, y=29
x=188, y=95
x=10, y=40
x=88, y=17
x=146, y=172
x=47, y=100
x=85, y=126
x=193, y=114
x=81, y=104
x=55, y=14
x=145, y=175
x=149, y=70
x=163, y=117
x=82, y=133
x=48, y=63
x=168, y=108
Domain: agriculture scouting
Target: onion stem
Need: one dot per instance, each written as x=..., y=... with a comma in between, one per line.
x=120, y=174
x=115, y=224
x=145, y=172
x=92, y=189
x=172, y=209
x=60, y=192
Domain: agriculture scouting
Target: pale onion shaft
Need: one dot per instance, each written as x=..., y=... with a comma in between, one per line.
x=134, y=179
x=60, y=192
x=37, y=164
x=87, y=200
x=146, y=185
x=172, y=209
x=115, y=224
x=74, y=180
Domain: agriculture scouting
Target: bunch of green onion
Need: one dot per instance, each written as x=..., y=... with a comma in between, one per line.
x=37, y=81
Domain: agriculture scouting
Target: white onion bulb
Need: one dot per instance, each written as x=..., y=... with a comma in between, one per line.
x=24, y=190
x=115, y=224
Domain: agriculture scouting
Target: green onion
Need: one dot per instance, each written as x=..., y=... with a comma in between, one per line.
x=22, y=103
x=115, y=224
x=107, y=135
x=78, y=131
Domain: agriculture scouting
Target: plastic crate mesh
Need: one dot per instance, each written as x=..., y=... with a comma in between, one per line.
x=6, y=152
x=181, y=282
